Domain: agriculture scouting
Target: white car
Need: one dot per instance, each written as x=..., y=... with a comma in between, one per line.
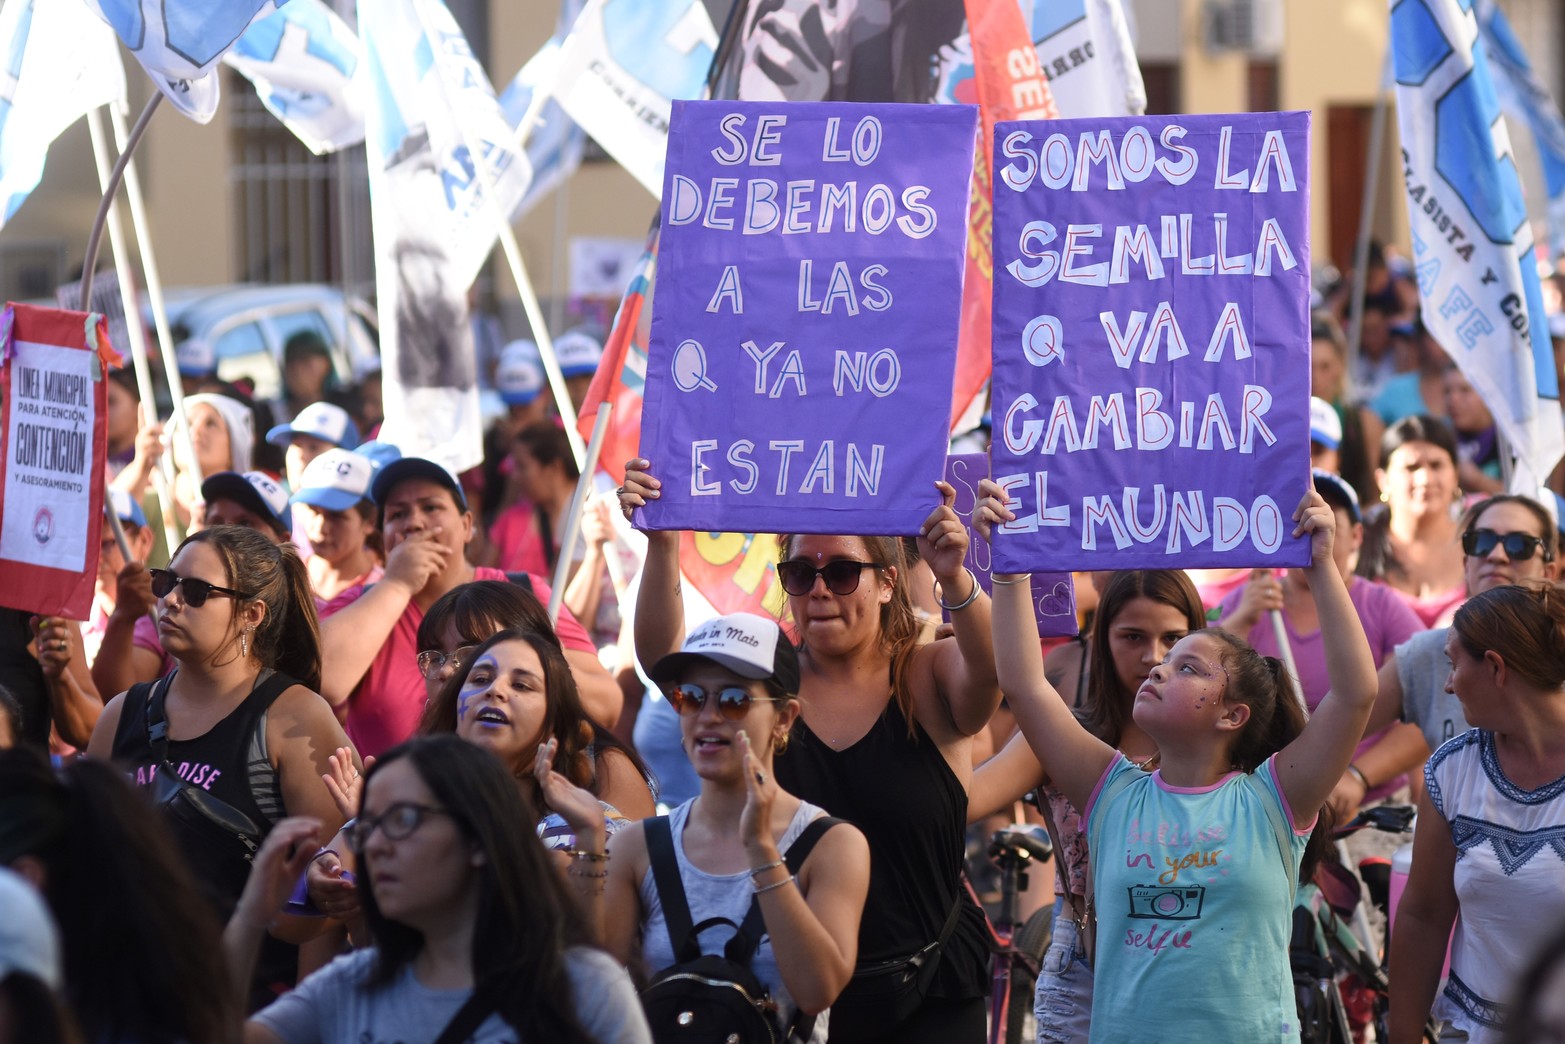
x=248, y=325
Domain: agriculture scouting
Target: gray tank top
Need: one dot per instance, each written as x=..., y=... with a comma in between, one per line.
x=1423, y=669
x=721, y=895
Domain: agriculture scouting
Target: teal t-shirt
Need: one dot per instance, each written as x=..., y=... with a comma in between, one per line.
x=1194, y=904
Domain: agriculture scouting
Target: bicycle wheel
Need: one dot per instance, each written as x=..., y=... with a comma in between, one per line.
x=1032, y=939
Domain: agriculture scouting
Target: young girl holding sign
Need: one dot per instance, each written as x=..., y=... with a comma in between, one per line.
x=1195, y=864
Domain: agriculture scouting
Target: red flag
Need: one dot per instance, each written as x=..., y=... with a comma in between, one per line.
x=622, y=372
x=1010, y=86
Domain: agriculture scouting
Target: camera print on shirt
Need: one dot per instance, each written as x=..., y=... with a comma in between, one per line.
x=1165, y=911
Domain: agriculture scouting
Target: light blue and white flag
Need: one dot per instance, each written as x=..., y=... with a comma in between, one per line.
x=56, y=67
x=621, y=69
x=1084, y=50
x=307, y=67
x=1524, y=98
x=436, y=143
x=554, y=141
x=180, y=42
x=1472, y=244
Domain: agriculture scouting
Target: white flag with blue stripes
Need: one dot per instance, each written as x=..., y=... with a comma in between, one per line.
x=1472, y=244
x=623, y=65
x=180, y=42
x=307, y=68
x=56, y=67
x=554, y=141
x=1525, y=99
x=436, y=143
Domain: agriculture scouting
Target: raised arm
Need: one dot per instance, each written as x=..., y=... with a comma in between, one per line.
x=660, y=611
x=1309, y=767
x=74, y=703
x=356, y=632
x=963, y=668
x=120, y=662
x=1074, y=757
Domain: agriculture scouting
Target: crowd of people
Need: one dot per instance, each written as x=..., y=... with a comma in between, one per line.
x=326, y=767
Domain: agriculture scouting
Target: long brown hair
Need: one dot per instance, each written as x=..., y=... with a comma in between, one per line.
x=1109, y=703
x=899, y=626
x=289, y=636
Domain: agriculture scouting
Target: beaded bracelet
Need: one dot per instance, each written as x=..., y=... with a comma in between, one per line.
x=577, y=872
x=964, y=603
x=768, y=866
x=775, y=885
x=581, y=853
x=1017, y=579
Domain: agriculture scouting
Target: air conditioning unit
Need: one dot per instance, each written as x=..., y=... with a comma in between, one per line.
x=1253, y=27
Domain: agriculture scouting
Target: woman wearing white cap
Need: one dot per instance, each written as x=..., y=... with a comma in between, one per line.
x=338, y=518
x=737, y=847
x=885, y=740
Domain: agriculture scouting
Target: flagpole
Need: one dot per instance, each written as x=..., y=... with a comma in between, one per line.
x=134, y=331
x=1377, y=134
x=95, y=235
x=562, y=566
x=154, y=280
x=513, y=255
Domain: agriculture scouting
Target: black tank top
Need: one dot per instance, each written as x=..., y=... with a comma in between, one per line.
x=913, y=811
x=231, y=762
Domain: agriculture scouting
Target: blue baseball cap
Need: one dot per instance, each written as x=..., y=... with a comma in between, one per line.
x=1335, y=491
x=254, y=491
x=126, y=508
x=578, y=353
x=401, y=470
x=519, y=375
x=335, y=481
x=319, y=420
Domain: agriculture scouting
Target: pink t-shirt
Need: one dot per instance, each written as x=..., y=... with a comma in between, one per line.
x=384, y=708
x=517, y=541
x=1436, y=610
x=145, y=636
x=1388, y=622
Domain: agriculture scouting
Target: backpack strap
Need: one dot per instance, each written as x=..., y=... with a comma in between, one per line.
x=522, y=580
x=468, y=1018
x=670, y=889
x=1281, y=829
x=157, y=719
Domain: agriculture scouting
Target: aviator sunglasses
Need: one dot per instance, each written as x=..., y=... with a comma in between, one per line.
x=196, y=591
x=733, y=701
x=841, y=576
x=1518, y=546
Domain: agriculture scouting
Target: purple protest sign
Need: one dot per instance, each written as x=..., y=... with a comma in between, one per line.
x=1053, y=594
x=805, y=323
x=1151, y=340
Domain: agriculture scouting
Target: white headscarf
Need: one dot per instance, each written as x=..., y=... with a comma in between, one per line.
x=239, y=421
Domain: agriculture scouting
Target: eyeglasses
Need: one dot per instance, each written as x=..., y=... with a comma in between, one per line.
x=1518, y=546
x=841, y=576
x=196, y=591
x=733, y=701
x=398, y=823
x=432, y=661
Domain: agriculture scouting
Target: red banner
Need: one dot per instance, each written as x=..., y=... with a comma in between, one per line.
x=1010, y=86
x=52, y=448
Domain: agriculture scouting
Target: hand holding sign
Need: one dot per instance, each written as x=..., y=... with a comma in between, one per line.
x=1315, y=518
x=992, y=508
x=942, y=541
x=639, y=486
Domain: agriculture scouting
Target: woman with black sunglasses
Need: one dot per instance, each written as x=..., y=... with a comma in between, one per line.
x=1506, y=539
x=734, y=687
x=236, y=733
x=884, y=740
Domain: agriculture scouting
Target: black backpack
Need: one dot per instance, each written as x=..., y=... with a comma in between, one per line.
x=710, y=999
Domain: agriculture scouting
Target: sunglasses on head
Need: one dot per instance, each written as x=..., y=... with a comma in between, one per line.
x=1518, y=546
x=733, y=701
x=196, y=591
x=841, y=576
